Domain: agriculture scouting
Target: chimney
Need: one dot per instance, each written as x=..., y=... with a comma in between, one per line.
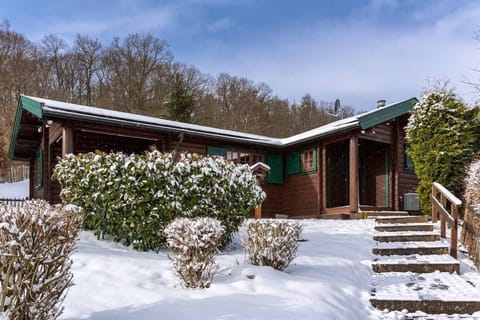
x=381, y=103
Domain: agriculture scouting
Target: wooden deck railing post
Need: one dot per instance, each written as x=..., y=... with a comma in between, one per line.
x=443, y=222
x=440, y=207
x=453, y=232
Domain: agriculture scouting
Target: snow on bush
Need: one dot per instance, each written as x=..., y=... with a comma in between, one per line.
x=35, y=246
x=471, y=225
x=133, y=197
x=441, y=133
x=194, y=243
x=272, y=242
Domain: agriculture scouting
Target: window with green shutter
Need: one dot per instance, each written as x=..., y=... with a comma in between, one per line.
x=275, y=162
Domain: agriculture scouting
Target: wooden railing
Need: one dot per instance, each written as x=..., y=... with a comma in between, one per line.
x=439, y=206
x=15, y=202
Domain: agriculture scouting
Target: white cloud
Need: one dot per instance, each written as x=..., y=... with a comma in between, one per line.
x=356, y=61
x=111, y=24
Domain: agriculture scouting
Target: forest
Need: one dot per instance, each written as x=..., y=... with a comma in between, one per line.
x=138, y=73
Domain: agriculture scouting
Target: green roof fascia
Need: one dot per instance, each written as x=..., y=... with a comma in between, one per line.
x=386, y=113
x=29, y=105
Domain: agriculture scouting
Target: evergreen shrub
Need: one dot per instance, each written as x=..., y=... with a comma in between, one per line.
x=133, y=197
x=441, y=133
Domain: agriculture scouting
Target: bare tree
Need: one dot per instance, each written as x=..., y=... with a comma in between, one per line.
x=88, y=56
x=132, y=69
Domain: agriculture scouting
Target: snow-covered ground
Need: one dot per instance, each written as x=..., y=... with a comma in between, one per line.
x=14, y=190
x=330, y=279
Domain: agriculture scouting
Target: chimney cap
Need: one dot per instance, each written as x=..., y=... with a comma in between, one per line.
x=381, y=103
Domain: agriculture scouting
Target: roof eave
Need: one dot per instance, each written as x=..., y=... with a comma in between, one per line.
x=348, y=127
x=387, y=113
x=55, y=113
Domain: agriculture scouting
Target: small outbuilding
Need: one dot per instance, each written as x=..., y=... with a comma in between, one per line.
x=344, y=167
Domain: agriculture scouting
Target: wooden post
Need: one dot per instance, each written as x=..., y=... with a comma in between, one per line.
x=46, y=163
x=353, y=174
x=67, y=140
x=443, y=222
x=434, y=208
x=323, y=178
x=258, y=211
x=31, y=187
x=453, y=232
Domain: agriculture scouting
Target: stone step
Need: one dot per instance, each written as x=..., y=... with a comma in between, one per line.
x=405, y=236
x=407, y=248
x=401, y=219
x=423, y=226
x=417, y=264
x=432, y=293
x=374, y=214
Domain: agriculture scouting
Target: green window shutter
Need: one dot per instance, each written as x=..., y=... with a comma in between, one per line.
x=293, y=163
x=216, y=151
x=275, y=162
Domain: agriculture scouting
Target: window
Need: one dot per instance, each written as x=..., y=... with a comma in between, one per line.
x=308, y=160
x=408, y=165
x=244, y=157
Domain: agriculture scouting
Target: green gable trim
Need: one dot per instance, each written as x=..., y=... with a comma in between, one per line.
x=29, y=105
x=386, y=113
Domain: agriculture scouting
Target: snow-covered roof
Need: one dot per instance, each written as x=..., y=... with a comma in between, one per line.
x=52, y=108
x=46, y=108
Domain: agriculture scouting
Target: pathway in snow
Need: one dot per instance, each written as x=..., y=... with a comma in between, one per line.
x=415, y=272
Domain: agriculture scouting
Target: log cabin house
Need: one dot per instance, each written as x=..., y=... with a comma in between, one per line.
x=345, y=167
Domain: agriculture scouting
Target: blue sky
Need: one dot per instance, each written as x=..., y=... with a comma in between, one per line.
x=357, y=51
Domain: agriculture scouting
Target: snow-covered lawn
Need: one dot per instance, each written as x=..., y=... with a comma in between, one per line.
x=14, y=190
x=330, y=279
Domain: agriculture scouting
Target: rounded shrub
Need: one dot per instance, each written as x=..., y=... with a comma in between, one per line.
x=271, y=242
x=133, y=197
x=194, y=243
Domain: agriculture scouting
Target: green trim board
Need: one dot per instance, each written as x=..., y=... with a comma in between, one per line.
x=26, y=104
x=384, y=114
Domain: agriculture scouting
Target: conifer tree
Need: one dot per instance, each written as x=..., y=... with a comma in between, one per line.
x=442, y=141
x=181, y=104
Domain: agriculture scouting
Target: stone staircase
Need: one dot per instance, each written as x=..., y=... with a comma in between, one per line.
x=414, y=271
